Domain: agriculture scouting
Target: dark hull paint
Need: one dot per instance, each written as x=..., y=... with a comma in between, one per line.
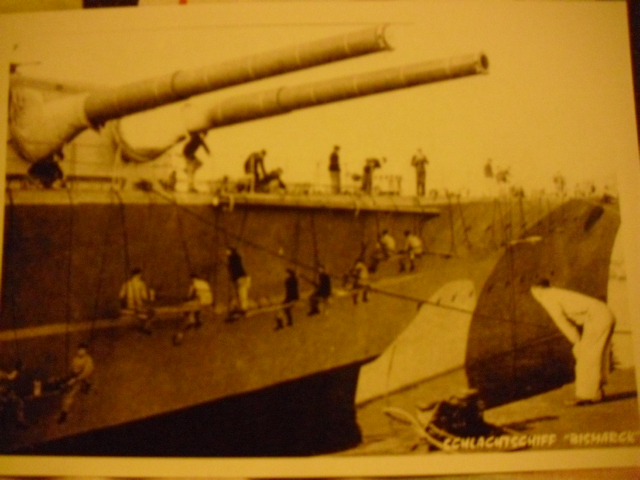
x=67, y=254
x=514, y=349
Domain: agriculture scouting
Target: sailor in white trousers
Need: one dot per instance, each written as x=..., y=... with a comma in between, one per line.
x=588, y=324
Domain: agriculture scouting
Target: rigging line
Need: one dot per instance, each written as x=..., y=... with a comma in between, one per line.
x=421, y=301
x=494, y=225
x=531, y=343
x=69, y=275
x=452, y=249
x=464, y=225
x=213, y=258
x=148, y=241
x=523, y=220
x=503, y=232
x=183, y=240
x=12, y=299
x=314, y=240
x=96, y=304
x=511, y=290
x=225, y=231
x=296, y=244
x=245, y=214
x=363, y=235
x=125, y=239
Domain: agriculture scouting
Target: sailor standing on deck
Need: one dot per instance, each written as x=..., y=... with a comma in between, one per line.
x=78, y=380
x=334, y=169
x=136, y=296
x=588, y=324
x=420, y=162
x=254, y=168
x=370, y=165
x=239, y=276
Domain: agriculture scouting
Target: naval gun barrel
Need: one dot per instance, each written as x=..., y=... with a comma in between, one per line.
x=41, y=129
x=197, y=117
x=286, y=99
x=136, y=97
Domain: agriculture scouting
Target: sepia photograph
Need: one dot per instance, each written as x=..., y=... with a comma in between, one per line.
x=350, y=231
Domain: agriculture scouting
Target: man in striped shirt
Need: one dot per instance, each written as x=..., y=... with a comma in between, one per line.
x=137, y=297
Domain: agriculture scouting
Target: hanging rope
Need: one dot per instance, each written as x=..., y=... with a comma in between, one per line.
x=452, y=249
x=12, y=245
x=523, y=220
x=148, y=240
x=214, y=259
x=105, y=242
x=183, y=241
x=240, y=237
x=125, y=238
x=363, y=235
x=421, y=301
x=503, y=233
x=314, y=239
x=296, y=237
x=69, y=276
x=464, y=225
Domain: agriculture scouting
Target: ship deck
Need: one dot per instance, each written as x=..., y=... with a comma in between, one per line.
x=102, y=195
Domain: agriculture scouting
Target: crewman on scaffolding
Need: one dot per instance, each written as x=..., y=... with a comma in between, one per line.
x=82, y=367
x=413, y=249
x=240, y=279
x=292, y=295
x=360, y=281
x=9, y=398
x=199, y=297
x=385, y=248
x=137, y=297
x=387, y=244
x=322, y=292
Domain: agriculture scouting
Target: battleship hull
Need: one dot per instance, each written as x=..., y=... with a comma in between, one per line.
x=243, y=388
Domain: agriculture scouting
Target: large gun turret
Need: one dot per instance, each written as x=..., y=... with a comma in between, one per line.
x=40, y=128
x=140, y=144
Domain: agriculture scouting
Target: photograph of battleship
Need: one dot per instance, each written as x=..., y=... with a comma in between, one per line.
x=238, y=233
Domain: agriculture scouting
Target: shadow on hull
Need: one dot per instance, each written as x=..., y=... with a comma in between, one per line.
x=514, y=349
x=309, y=416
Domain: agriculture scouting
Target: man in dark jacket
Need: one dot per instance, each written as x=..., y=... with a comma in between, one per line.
x=195, y=141
x=292, y=295
x=322, y=293
x=239, y=276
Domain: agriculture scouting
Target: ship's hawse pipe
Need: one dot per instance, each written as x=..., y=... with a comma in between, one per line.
x=140, y=143
x=40, y=128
